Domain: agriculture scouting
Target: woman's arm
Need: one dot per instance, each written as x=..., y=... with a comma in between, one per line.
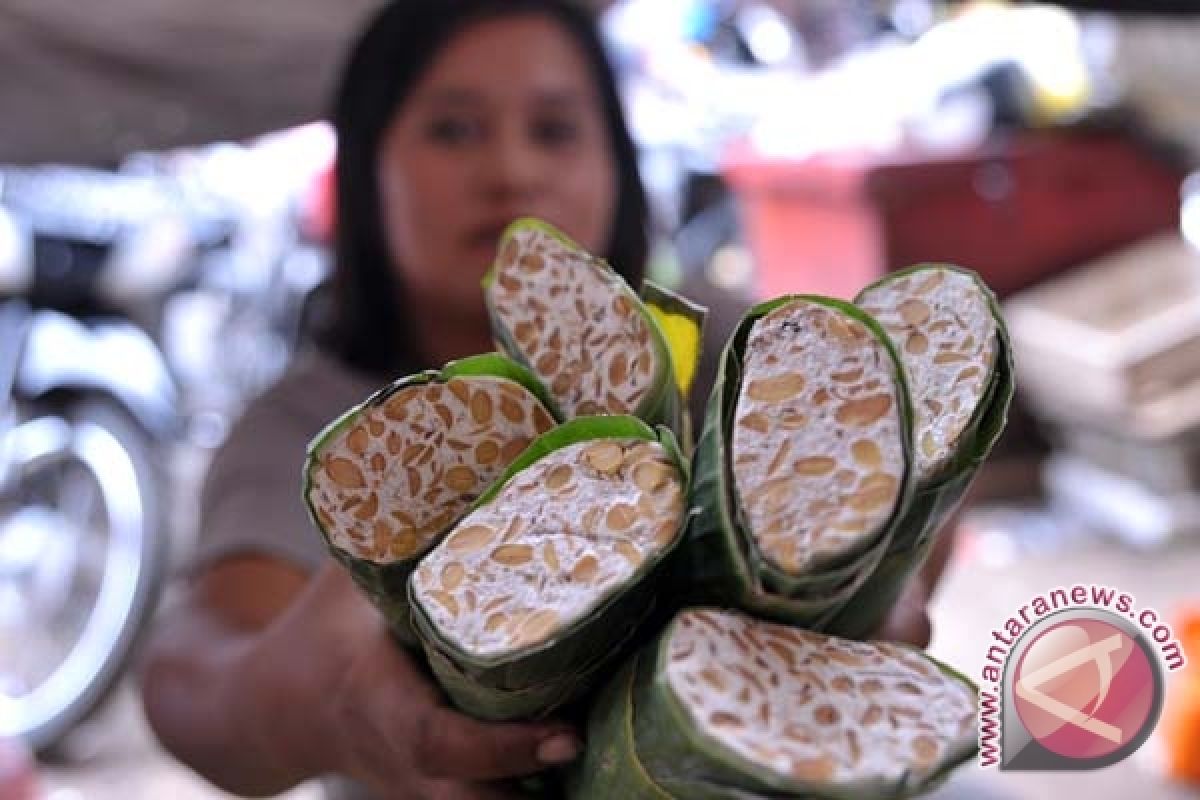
x=263, y=678
x=198, y=680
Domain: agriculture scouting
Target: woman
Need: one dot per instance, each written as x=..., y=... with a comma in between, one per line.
x=453, y=118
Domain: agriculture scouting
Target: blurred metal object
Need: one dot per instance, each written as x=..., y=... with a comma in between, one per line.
x=1113, y=503
x=81, y=552
x=1189, y=210
x=16, y=265
x=85, y=399
x=142, y=309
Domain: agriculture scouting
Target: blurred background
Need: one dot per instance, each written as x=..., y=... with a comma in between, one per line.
x=164, y=222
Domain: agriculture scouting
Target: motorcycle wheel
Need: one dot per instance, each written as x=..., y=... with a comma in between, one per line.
x=82, y=557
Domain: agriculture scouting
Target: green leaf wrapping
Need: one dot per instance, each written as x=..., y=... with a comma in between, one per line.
x=666, y=403
x=720, y=564
x=536, y=681
x=609, y=767
x=936, y=501
x=386, y=584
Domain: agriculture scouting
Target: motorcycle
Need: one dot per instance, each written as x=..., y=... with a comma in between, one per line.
x=86, y=401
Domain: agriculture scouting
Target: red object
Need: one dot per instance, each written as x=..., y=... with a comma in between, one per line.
x=1180, y=725
x=18, y=774
x=809, y=224
x=319, y=217
x=1016, y=210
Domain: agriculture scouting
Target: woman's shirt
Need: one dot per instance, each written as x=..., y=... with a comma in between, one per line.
x=251, y=502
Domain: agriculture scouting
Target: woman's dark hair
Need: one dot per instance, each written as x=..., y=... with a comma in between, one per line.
x=368, y=324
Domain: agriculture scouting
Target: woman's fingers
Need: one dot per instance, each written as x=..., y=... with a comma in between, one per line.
x=908, y=621
x=449, y=744
x=459, y=790
x=392, y=719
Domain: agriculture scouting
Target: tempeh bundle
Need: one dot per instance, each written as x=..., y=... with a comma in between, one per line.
x=596, y=345
x=803, y=470
x=540, y=586
x=955, y=347
x=726, y=707
x=385, y=480
x=529, y=559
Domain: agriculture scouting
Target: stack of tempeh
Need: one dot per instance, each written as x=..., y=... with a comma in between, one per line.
x=521, y=516
x=389, y=483
x=838, y=441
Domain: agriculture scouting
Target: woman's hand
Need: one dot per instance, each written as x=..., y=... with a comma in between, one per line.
x=908, y=621
x=342, y=696
x=264, y=677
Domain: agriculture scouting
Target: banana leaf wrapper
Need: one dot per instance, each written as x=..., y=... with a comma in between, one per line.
x=504, y=653
x=610, y=766
x=382, y=484
x=582, y=330
x=722, y=563
x=658, y=737
x=940, y=492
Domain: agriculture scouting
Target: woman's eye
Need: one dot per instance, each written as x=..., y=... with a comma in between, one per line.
x=555, y=132
x=452, y=131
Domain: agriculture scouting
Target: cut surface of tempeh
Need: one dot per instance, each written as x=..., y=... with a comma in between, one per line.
x=575, y=323
x=818, y=458
x=944, y=330
x=408, y=466
x=814, y=708
x=563, y=535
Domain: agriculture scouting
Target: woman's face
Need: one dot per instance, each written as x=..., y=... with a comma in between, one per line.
x=505, y=122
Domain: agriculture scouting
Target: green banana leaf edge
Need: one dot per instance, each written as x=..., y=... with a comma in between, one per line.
x=609, y=767
x=659, y=298
x=535, y=700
